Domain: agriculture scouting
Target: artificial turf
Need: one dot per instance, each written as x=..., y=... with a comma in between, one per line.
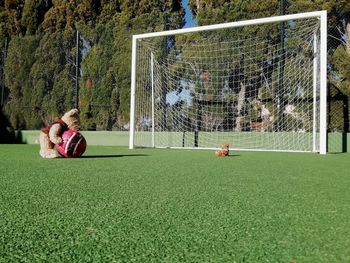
x=148, y=205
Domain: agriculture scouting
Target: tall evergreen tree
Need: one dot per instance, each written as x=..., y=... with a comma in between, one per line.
x=108, y=62
x=33, y=14
x=18, y=65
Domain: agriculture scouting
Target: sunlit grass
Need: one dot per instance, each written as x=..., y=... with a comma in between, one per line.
x=173, y=206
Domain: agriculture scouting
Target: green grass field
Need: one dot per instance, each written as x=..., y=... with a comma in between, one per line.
x=147, y=205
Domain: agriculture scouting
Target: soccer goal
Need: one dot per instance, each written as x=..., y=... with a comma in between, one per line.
x=258, y=85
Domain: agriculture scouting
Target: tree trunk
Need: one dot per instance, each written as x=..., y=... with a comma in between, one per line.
x=347, y=29
x=241, y=99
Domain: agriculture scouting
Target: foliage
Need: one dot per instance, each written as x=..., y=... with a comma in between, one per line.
x=210, y=12
x=338, y=40
x=42, y=56
x=341, y=62
x=19, y=62
x=33, y=14
x=39, y=71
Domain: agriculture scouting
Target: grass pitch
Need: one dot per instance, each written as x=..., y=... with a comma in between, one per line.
x=117, y=205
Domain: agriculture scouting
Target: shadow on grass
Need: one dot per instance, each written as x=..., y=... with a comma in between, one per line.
x=228, y=156
x=7, y=134
x=113, y=155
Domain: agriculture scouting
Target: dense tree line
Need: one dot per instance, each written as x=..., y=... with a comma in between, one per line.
x=39, y=56
x=39, y=73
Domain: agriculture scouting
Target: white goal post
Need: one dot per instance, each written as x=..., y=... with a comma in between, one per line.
x=258, y=85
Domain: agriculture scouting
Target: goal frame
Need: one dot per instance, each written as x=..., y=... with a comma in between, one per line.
x=321, y=72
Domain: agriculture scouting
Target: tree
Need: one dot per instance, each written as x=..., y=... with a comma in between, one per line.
x=99, y=68
x=65, y=14
x=338, y=57
x=33, y=14
x=52, y=74
x=20, y=59
x=212, y=12
x=338, y=36
x=10, y=17
x=108, y=62
x=41, y=60
x=248, y=53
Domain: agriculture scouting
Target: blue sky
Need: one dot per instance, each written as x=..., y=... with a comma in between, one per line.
x=190, y=22
x=173, y=96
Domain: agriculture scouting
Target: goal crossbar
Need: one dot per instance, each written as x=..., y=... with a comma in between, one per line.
x=258, y=21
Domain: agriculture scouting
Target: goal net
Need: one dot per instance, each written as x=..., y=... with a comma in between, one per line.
x=256, y=85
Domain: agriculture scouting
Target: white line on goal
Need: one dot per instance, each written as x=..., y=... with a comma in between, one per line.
x=234, y=24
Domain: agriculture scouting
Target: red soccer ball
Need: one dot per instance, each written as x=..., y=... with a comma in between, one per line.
x=73, y=144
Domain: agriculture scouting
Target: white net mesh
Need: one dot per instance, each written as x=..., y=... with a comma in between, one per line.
x=248, y=86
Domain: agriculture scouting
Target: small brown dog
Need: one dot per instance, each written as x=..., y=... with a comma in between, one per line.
x=224, y=151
